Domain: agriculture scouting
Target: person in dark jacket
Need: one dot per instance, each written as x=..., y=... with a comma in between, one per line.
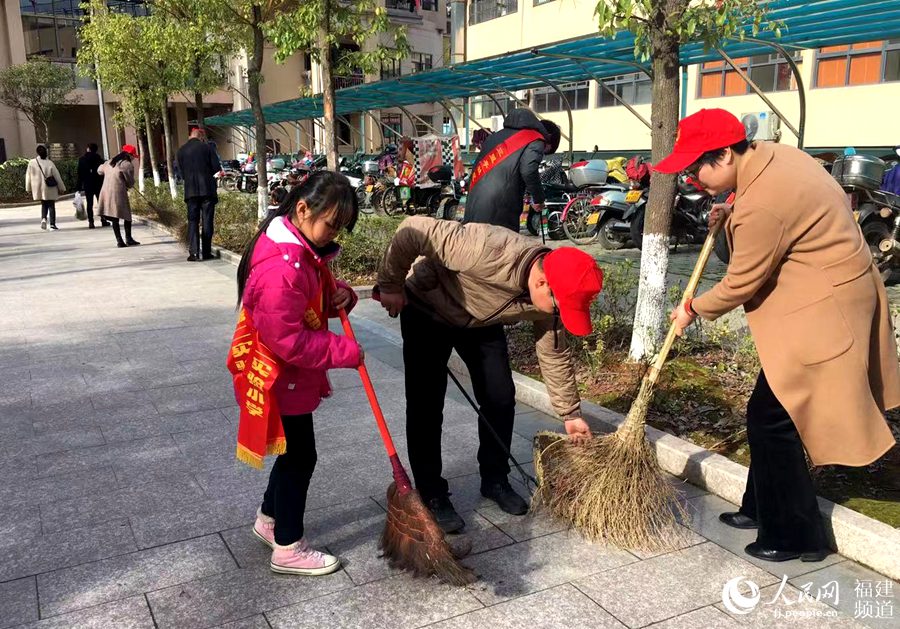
x=507, y=170
x=198, y=164
x=90, y=181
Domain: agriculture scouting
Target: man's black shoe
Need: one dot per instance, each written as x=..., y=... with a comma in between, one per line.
x=738, y=520
x=769, y=554
x=192, y=258
x=508, y=500
x=445, y=515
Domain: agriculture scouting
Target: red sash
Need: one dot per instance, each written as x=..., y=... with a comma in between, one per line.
x=503, y=150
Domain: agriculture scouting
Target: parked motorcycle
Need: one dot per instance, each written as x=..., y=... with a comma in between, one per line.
x=598, y=205
x=690, y=217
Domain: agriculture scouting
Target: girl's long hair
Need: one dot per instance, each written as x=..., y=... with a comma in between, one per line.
x=118, y=158
x=322, y=191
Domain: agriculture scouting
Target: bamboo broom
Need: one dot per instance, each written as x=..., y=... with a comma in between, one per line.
x=611, y=488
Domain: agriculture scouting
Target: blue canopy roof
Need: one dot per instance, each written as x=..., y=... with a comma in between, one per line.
x=808, y=24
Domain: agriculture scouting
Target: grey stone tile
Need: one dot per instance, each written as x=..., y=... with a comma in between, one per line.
x=684, y=538
x=669, y=585
x=561, y=607
x=19, y=522
x=129, y=501
x=119, y=577
x=183, y=399
x=199, y=518
x=70, y=547
x=17, y=468
x=254, y=622
x=395, y=603
x=863, y=592
x=788, y=606
x=18, y=602
x=704, y=519
x=130, y=613
x=235, y=595
x=138, y=455
x=49, y=489
x=702, y=618
x=538, y=564
x=521, y=528
x=120, y=399
x=155, y=425
x=208, y=448
x=234, y=477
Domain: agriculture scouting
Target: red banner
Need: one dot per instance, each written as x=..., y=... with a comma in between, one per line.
x=503, y=150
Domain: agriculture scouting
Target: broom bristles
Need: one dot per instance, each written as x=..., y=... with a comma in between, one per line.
x=413, y=541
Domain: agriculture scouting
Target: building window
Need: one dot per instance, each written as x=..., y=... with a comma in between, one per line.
x=401, y=5
x=392, y=125
x=390, y=69
x=545, y=99
x=633, y=88
x=430, y=5
x=858, y=64
x=484, y=10
x=420, y=61
x=770, y=72
x=423, y=129
x=540, y=2
x=484, y=107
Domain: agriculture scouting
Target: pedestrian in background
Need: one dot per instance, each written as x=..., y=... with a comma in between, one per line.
x=198, y=164
x=43, y=181
x=118, y=179
x=89, y=181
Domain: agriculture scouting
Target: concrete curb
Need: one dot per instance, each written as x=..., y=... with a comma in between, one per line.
x=855, y=536
x=18, y=204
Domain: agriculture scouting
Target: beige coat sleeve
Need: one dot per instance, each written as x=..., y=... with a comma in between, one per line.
x=445, y=242
x=557, y=367
x=759, y=241
x=29, y=173
x=60, y=184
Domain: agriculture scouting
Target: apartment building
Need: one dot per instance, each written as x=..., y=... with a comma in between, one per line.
x=851, y=91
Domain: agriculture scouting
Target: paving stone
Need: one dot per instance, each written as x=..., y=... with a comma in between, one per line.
x=538, y=564
x=155, y=425
x=852, y=582
x=237, y=594
x=561, y=607
x=134, y=455
x=521, y=528
x=183, y=399
x=703, y=618
x=395, y=603
x=17, y=468
x=19, y=522
x=704, y=519
x=18, y=602
x=254, y=622
x=130, y=613
x=669, y=585
x=788, y=606
x=132, y=574
x=70, y=547
x=129, y=501
x=49, y=489
x=208, y=448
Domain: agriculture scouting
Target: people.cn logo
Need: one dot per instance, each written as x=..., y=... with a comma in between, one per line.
x=735, y=601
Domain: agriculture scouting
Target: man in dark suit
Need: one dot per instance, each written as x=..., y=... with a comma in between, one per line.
x=198, y=164
x=90, y=181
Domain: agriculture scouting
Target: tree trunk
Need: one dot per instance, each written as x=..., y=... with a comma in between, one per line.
x=151, y=150
x=167, y=136
x=254, y=75
x=142, y=160
x=651, y=301
x=46, y=134
x=198, y=104
x=330, y=131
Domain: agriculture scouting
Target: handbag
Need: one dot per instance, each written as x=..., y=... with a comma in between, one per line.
x=78, y=202
x=48, y=181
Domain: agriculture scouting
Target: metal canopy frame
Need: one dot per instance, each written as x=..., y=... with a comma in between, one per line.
x=807, y=24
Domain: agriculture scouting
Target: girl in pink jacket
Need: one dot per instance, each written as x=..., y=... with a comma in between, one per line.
x=284, y=286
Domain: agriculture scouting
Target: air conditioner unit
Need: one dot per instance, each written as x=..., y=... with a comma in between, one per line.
x=496, y=123
x=762, y=125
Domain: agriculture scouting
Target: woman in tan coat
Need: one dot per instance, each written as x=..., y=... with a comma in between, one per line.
x=40, y=170
x=819, y=316
x=118, y=179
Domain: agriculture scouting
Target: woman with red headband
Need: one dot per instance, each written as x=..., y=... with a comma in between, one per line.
x=118, y=179
x=819, y=316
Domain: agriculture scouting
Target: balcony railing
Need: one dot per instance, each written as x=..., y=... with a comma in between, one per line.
x=401, y=5
x=484, y=10
x=341, y=82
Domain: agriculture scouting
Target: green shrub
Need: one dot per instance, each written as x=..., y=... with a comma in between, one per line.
x=362, y=250
x=236, y=221
x=12, y=178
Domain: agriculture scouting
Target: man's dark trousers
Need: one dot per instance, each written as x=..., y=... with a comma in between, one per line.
x=427, y=345
x=201, y=210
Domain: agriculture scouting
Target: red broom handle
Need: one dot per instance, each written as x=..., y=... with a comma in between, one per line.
x=370, y=391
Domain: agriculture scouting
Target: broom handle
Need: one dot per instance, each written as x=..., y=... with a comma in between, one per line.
x=370, y=391
x=689, y=292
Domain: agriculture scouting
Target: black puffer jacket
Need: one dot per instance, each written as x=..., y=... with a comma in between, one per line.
x=497, y=197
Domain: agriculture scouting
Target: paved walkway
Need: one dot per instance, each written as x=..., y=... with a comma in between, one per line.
x=121, y=504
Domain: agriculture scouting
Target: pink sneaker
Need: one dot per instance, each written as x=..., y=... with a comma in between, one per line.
x=299, y=558
x=264, y=529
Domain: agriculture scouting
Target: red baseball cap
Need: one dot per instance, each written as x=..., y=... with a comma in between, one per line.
x=575, y=280
x=129, y=148
x=706, y=130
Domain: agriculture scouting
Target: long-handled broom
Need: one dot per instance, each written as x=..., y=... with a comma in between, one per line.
x=411, y=540
x=612, y=488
